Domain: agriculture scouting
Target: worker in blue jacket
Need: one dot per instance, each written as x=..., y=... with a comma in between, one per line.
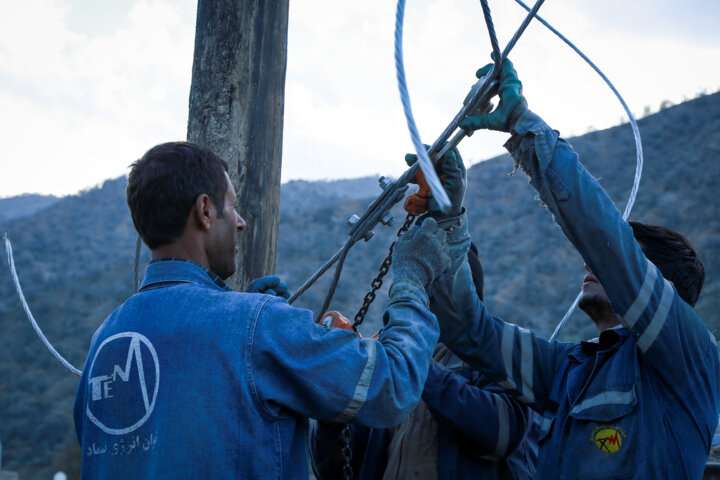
x=464, y=427
x=641, y=400
x=188, y=379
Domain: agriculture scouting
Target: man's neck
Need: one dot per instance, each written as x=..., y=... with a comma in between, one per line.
x=180, y=250
x=605, y=321
x=603, y=318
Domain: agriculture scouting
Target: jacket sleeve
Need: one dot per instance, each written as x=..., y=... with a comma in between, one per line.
x=333, y=375
x=669, y=334
x=491, y=422
x=510, y=356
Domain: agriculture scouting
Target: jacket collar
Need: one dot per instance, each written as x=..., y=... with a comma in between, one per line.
x=180, y=270
x=609, y=339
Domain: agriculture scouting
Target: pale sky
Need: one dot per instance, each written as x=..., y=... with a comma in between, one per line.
x=87, y=86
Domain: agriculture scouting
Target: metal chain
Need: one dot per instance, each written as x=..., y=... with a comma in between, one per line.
x=346, y=436
x=378, y=280
x=346, y=433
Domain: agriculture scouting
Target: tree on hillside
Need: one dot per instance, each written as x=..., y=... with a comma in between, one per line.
x=236, y=110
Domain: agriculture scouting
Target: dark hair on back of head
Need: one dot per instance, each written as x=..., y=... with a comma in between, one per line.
x=675, y=256
x=164, y=184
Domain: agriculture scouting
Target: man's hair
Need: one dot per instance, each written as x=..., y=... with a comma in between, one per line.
x=164, y=184
x=675, y=256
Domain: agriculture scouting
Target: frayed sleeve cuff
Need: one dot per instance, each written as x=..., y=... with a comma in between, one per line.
x=408, y=290
x=531, y=134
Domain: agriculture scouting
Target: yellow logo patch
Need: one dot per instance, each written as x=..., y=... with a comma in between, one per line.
x=608, y=438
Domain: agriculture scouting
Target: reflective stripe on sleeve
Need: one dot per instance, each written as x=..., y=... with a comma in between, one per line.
x=508, y=339
x=606, y=398
x=363, y=385
x=527, y=395
x=643, y=297
x=503, y=438
x=526, y=365
x=658, y=321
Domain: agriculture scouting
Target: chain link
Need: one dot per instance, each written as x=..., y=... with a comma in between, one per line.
x=346, y=436
x=378, y=280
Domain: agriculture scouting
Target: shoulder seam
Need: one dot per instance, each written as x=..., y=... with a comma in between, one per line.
x=255, y=394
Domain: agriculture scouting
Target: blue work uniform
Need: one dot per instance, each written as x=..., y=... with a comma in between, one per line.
x=480, y=432
x=639, y=402
x=188, y=379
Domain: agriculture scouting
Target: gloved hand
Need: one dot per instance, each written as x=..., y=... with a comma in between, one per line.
x=269, y=285
x=511, y=106
x=454, y=177
x=421, y=254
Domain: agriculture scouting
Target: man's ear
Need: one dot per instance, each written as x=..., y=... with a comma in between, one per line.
x=202, y=211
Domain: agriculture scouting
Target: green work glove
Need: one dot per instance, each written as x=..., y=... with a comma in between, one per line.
x=454, y=183
x=511, y=106
x=421, y=254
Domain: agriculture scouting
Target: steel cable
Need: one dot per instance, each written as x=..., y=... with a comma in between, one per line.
x=491, y=32
x=18, y=288
x=423, y=159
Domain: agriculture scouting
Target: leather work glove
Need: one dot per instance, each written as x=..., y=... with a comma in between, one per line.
x=269, y=285
x=454, y=178
x=421, y=254
x=511, y=106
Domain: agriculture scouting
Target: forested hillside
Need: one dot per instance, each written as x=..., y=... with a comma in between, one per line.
x=75, y=259
x=23, y=205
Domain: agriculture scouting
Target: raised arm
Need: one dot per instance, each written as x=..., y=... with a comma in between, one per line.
x=668, y=332
x=510, y=356
x=332, y=374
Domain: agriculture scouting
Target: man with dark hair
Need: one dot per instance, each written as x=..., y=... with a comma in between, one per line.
x=641, y=400
x=189, y=379
x=154, y=180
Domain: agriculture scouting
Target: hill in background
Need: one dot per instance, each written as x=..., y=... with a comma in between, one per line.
x=75, y=259
x=23, y=206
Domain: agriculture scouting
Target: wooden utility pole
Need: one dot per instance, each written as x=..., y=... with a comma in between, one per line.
x=237, y=99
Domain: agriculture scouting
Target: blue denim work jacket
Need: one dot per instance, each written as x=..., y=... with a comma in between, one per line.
x=481, y=432
x=639, y=402
x=188, y=379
